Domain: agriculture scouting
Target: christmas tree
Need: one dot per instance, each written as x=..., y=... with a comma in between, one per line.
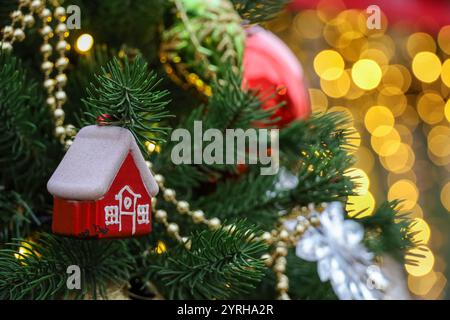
x=219, y=230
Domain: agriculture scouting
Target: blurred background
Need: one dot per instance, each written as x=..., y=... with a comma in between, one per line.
x=394, y=83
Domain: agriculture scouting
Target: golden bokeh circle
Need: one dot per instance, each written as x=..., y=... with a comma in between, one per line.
x=318, y=100
x=444, y=39
x=439, y=141
x=386, y=145
x=400, y=161
x=419, y=42
x=430, y=107
x=379, y=121
x=329, y=65
x=360, y=179
x=426, y=66
x=366, y=74
x=445, y=196
x=445, y=73
x=447, y=110
x=336, y=88
x=421, y=229
x=424, y=261
x=406, y=191
x=363, y=203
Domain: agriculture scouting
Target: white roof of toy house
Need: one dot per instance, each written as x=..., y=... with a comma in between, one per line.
x=92, y=162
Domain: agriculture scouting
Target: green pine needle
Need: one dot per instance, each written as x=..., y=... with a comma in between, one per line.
x=220, y=264
x=130, y=96
x=39, y=271
x=259, y=11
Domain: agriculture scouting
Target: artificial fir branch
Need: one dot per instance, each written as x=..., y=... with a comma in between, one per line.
x=219, y=264
x=38, y=269
x=230, y=107
x=129, y=95
x=252, y=196
x=388, y=231
x=16, y=216
x=319, y=158
x=259, y=11
x=27, y=148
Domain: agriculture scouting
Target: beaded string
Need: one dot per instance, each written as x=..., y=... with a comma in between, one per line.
x=23, y=18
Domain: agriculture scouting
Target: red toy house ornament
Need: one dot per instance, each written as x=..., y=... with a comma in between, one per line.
x=102, y=188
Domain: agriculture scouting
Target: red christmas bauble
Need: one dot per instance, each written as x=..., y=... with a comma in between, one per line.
x=271, y=67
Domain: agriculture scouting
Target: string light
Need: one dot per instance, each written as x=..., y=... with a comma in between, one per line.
x=84, y=43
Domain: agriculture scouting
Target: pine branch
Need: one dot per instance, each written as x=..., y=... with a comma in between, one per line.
x=220, y=264
x=15, y=216
x=38, y=270
x=129, y=95
x=322, y=143
x=230, y=107
x=259, y=11
x=27, y=147
x=252, y=196
x=387, y=231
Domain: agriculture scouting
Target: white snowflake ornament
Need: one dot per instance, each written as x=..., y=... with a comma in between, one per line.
x=341, y=257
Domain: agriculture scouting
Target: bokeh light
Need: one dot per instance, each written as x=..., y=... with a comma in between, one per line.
x=445, y=73
x=426, y=66
x=444, y=39
x=404, y=190
x=379, y=121
x=84, y=43
x=319, y=101
x=424, y=261
x=366, y=74
x=360, y=206
x=329, y=65
x=430, y=107
x=422, y=231
x=360, y=179
x=445, y=196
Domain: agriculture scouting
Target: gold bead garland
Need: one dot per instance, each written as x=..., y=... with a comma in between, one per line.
x=280, y=238
x=56, y=96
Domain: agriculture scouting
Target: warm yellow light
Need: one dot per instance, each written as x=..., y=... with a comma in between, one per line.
x=404, y=190
x=353, y=139
x=386, y=145
x=447, y=110
x=401, y=161
x=319, y=101
x=84, y=43
x=360, y=179
x=308, y=24
x=336, y=88
x=376, y=55
x=444, y=39
x=420, y=286
x=422, y=231
x=364, y=159
x=426, y=66
x=160, y=247
x=396, y=102
x=445, y=196
x=424, y=261
x=329, y=65
x=439, y=141
x=379, y=121
x=25, y=249
x=430, y=107
x=445, y=75
x=366, y=74
x=418, y=42
x=357, y=204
